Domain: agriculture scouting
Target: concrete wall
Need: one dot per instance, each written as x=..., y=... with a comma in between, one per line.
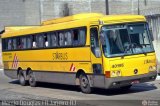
x=59, y=8
x=32, y=12
x=11, y=12
x=147, y=7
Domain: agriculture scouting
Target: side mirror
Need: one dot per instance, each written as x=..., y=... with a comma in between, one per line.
x=97, y=52
x=151, y=34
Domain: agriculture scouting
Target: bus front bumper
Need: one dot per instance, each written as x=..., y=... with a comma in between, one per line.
x=125, y=81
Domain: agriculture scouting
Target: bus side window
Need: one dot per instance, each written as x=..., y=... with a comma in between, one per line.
x=10, y=45
x=40, y=40
x=82, y=36
x=68, y=38
x=5, y=44
x=24, y=42
x=34, y=42
x=29, y=42
x=47, y=39
x=75, y=37
x=20, y=43
x=95, y=42
x=61, y=39
x=14, y=43
x=54, y=39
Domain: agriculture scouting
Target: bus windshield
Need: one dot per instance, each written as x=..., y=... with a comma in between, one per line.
x=126, y=39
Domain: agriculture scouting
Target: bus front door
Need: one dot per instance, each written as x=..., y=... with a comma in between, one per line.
x=96, y=58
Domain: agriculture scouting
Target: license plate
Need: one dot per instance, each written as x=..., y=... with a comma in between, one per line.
x=135, y=82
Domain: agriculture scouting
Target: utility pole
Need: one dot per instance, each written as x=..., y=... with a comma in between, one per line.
x=138, y=8
x=90, y=5
x=145, y=2
x=41, y=10
x=132, y=6
x=107, y=7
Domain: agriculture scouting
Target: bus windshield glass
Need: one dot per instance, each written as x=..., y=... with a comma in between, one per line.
x=126, y=39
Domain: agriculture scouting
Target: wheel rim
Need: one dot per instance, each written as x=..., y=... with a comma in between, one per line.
x=21, y=78
x=31, y=78
x=84, y=82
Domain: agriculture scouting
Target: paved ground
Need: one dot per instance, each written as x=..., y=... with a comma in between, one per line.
x=11, y=90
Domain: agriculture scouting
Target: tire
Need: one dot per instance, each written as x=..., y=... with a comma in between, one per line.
x=21, y=78
x=84, y=84
x=32, y=79
x=126, y=87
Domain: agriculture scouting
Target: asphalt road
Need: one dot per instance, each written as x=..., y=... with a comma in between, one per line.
x=11, y=93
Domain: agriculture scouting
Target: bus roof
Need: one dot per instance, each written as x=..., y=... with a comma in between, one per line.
x=70, y=21
x=72, y=18
x=113, y=19
x=17, y=28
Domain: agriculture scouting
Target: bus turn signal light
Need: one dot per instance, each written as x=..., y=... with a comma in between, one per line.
x=107, y=74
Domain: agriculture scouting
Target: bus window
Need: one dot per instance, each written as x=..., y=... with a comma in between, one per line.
x=40, y=40
x=47, y=39
x=75, y=37
x=29, y=42
x=14, y=43
x=61, y=39
x=20, y=43
x=24, y=42
x=95, y=42
x=34, y=42
x=5, y=44
x=68, y=38
x=10, y=45
x=82, y=36
x=54, y=40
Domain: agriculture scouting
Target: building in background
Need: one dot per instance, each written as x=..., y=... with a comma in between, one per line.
x=32, y=12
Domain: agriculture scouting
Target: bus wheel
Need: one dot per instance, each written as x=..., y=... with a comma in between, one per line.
x=84, y=84
x=32, y=79
x=21, y=78
x=126, y=87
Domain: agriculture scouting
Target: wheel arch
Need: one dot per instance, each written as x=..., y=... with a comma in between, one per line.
x=18, y=70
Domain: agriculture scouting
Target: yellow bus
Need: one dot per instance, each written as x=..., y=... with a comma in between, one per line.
x=90, y=50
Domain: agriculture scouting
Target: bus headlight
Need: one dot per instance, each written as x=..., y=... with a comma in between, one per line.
x=116, y=73
x=152, y=68
x=113, y=74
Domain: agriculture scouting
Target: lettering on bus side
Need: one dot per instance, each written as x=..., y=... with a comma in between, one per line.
x=117, y=65
x=8, y=54
x=60, y=56
x=149, y=61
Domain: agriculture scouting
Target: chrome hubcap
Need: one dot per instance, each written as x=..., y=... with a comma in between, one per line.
x=84, y=82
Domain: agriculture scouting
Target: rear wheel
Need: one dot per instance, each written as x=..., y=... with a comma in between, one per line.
x=32, y=79
x=21, y=78
x=84, y=84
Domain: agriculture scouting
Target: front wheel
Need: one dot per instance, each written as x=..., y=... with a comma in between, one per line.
x=84, y=84
x=32, y=79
